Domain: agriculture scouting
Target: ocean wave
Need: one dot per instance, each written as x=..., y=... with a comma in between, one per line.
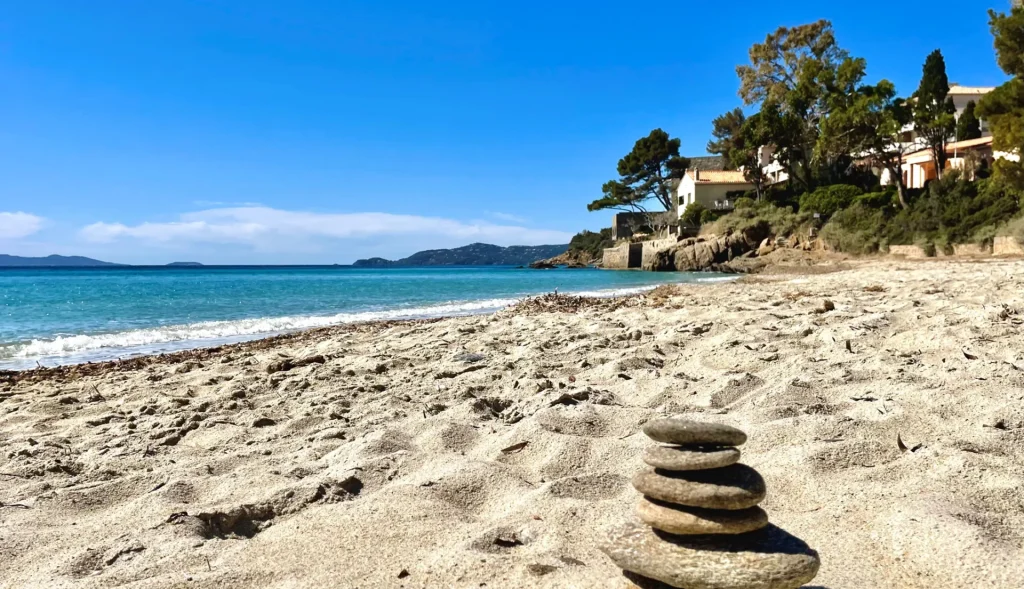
x=235, y=329
x=107, y=346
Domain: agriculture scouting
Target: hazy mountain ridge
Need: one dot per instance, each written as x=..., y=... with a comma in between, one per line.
x=53, y=261
x=476, y=254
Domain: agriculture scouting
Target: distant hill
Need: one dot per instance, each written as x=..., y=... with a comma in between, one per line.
x=477, y=254
x=186, y=264
x=51, y=262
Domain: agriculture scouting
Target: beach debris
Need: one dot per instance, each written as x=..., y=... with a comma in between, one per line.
x=827, y=306
x=969, y=355
x=515, y=448
x=699, y=525
x=263, y=422
x=403, y=573
x=539, y=570
x=470, y=358
x=292, y=363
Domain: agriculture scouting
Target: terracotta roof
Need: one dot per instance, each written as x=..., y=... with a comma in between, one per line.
x=719, y=177
x=969, y=90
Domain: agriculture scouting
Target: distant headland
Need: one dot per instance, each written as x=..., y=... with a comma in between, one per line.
x=53, y=261
x=476, y=254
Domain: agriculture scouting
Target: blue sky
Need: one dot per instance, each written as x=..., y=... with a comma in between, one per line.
x=318, y=131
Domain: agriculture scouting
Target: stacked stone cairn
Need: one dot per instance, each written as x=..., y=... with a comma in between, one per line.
x=700, y=526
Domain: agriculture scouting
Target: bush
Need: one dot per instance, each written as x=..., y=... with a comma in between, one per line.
x=859, y=229
x=778, y=220
x=693, y=213
x=878, y=200
x=707, y=216
x=592, y=243
x=829, y=199
x=950, y=211
x=745, y=202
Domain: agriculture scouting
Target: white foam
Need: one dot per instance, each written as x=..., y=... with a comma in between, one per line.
x=151, y=339
x=107, y=346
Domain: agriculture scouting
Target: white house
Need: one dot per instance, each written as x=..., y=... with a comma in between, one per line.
x=711, y=189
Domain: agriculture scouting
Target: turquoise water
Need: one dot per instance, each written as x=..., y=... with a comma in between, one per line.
x=57, y=316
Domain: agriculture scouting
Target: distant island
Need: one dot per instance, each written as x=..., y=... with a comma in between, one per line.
x=51, y=262
x=476, y=254
x=186, y=264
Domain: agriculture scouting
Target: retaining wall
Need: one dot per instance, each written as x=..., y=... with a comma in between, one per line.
x=650, y=248
x=623, y=257
x=907, y=251
x=1007, y=246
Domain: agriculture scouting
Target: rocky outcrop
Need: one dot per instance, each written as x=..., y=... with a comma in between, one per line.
x=707, y=253
x=569, y=259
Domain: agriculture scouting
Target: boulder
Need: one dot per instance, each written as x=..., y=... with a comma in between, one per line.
x=707, y=253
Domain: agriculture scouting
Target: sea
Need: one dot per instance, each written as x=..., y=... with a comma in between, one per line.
x=52, y=316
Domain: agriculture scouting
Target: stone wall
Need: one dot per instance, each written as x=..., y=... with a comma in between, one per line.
x=907, y=251
x=624, y=223
x=623, y=257
x=651, y=248
x=971, y=249
x=1007, y=246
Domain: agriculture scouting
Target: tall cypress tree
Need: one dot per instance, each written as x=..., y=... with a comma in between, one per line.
x=969, y=126
x=934, y=112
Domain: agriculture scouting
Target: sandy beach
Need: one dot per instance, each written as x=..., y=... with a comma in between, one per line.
x=492, y=451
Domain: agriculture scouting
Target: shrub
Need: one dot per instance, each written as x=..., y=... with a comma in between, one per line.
x=745, y=202
x=950, y=211
x=592, y=243
x=829, y=199
x=857, y=230
x=692, y=214
x=778, y=220
x=707, y=216
x=877, y=200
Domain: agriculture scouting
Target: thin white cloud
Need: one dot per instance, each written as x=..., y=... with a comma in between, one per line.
x=271, y=228
x=221, y=203
x=18, y=225
x=509, y=217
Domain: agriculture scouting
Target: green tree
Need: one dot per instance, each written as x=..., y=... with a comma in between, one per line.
x=1003, y=108
x=746, y=156
x=934, y=112
x=692, y=214
x=649, y=172
x=794, y=75
x=870, y=121
x=727, y=130
x=968, y=126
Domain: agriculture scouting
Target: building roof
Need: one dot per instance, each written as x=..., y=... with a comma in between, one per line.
x=719, y=177
x=925, y=155
x=709, y=163
x=969, y=143
x=959, y=90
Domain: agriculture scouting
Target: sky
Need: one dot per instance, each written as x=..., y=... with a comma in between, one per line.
x=322, y=131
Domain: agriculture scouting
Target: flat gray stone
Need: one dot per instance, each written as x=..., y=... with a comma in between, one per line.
x=689, y=521
x=733, y=487
x=690, y=457
x=769, y=558
x=684, y=431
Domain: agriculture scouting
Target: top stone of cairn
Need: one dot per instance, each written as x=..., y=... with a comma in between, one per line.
x=686, y=432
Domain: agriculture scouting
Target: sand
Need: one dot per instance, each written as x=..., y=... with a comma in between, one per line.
x=491, y=451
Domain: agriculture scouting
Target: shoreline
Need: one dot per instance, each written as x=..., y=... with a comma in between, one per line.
x=117, y=353
x=498, y=448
